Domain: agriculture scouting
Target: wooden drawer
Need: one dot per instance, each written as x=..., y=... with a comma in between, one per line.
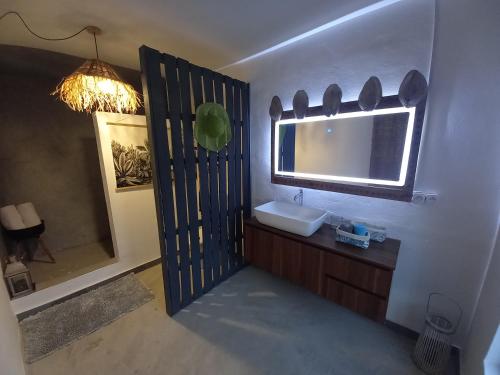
x=360, y=275
x=355, y=299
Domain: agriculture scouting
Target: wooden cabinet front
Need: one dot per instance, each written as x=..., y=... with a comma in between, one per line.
x=357, y=279
x=291, y=260
x=355, y=299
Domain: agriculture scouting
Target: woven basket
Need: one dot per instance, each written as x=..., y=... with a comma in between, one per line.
x=353, y=239
x=433, y=347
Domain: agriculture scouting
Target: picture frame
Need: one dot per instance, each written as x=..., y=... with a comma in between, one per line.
x=131, y=156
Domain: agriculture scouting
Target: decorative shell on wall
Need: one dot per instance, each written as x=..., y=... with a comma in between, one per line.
x=300, y=104
x=370, y=95
x=413, y=89
x=275, y=109
x=332, y=98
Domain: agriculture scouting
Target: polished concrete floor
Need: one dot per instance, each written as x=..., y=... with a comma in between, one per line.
x=252, y=323
x=70, y=263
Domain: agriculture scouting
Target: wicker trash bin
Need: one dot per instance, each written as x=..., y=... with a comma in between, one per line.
x=433, y=347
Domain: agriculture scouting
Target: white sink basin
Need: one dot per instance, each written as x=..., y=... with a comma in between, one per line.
x=291, y=217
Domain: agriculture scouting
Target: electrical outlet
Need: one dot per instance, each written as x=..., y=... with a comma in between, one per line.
x=431, y=197
x=418, y=197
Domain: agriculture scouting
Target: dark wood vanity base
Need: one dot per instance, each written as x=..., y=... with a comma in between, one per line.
x=355, y=278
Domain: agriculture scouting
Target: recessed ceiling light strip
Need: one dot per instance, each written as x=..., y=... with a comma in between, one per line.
x=326, y=26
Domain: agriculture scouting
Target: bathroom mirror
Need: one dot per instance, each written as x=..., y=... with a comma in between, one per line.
x=366, y=153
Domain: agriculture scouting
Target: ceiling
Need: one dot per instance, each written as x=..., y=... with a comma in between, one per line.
x=208, y=33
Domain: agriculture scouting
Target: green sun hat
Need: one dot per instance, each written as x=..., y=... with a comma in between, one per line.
x=212, y=130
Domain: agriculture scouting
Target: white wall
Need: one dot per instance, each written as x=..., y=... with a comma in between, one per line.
x=445, y=246
x=486, y=322
x=132, y=217
x=132, y=213
x=492, y=360
x=11, y=360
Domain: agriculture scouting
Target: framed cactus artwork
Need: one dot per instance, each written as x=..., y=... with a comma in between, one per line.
x=131, y=156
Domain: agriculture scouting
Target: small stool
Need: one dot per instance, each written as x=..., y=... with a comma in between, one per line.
x=30, y=233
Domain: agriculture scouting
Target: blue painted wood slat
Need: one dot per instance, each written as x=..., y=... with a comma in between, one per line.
x=196, y=79
x=237, y=172
x=155, y=108
x=190, y=165
x=214, y=186
x=221, y=166
x=231, y=157
x=179, y=170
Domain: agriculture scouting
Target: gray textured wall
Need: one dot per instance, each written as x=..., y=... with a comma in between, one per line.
x=48, y=153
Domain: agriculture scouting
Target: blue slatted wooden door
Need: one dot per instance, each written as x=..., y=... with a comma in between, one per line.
x=201, y=196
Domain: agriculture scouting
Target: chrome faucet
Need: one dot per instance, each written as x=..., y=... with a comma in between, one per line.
x=299, y=197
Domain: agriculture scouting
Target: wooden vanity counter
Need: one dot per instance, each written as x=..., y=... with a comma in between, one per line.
x=359, y=279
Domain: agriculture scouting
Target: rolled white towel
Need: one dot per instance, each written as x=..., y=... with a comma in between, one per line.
x=28, y=214
x=10, y=218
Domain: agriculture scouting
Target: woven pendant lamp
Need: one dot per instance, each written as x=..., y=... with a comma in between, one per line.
x=95, y=86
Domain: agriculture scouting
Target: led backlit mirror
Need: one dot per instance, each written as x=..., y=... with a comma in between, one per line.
x=367, y=153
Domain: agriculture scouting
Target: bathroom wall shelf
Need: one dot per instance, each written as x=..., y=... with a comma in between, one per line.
x=355, y=278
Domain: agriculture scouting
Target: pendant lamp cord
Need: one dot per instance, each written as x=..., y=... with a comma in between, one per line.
x=96, y=50
x=39, y=36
